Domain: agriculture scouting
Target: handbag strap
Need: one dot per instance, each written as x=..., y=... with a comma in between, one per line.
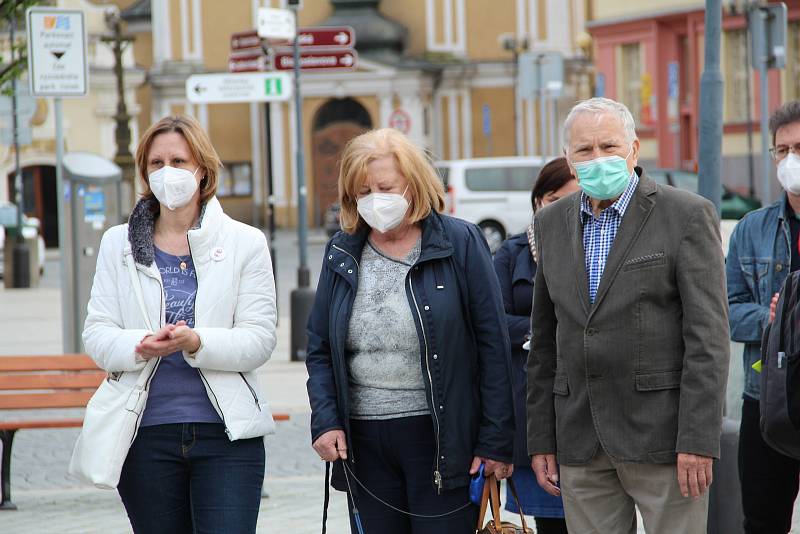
x=492, y=494
x=484, y=503
x=490, y=497
x=148, y=369
x=513, y=488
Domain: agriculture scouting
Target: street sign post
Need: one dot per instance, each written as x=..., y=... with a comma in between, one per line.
x=274, y=23
x=326, y=36
x=400, y=120
x=58, y=67
x=253, y=60
x=246, y=40
x=247, y=54
x=345, y=59
x=232, y=88
x=57, y=63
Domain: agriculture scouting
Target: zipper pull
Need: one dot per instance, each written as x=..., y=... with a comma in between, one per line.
x=437, y=478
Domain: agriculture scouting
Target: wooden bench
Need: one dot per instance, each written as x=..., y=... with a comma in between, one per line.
x=45, y=382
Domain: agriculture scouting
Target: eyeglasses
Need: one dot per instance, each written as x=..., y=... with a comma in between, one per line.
x=781, y=151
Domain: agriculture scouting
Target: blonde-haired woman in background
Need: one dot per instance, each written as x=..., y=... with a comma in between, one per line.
x=197, y=462
x=408, y=356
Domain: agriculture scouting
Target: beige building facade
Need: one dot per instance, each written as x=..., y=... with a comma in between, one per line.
x=438, y=70
x=88, y=121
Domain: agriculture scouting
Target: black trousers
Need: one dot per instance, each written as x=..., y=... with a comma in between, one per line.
x=394, y=459
x=769, y=479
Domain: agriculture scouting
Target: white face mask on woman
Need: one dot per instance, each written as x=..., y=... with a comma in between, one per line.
x=173, y=187
x=789, y=173
x=383, y=211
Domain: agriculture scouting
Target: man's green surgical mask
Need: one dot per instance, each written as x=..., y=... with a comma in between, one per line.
x=604, y=178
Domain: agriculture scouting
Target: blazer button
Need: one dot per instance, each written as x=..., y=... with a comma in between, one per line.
x=779, y=267
x=427, y=308
x=435, y=356
x=591, y=332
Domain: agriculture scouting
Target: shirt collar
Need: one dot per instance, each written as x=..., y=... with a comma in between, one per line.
x=619, y=205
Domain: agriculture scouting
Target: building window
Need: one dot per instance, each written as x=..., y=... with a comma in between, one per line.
x=792, y=75
x=735, y=75
x=629, y=86
x=235, y=180
x=445, y=26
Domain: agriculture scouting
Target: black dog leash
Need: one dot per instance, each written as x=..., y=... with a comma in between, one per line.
x=356, y=515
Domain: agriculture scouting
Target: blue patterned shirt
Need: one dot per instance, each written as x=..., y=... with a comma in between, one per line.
x=599, y=233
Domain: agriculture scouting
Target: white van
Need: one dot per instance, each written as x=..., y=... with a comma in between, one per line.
x=494, y=193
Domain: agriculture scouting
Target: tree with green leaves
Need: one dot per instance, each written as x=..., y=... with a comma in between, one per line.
x=14, y=10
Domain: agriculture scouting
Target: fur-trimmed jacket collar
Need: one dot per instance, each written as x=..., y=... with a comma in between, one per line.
x=141, y=225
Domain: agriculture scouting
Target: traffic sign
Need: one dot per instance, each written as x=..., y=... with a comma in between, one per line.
x=24, y=136
x=245, y=40
x=26, y=104
x=57, y=63
x=326, y=36
x=274, y=23
x=242, y=87
x=400, y=120
x=251, y=60
x=539, y=71
x=283, y=59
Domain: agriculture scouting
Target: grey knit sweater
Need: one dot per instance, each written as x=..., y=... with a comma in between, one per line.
x=383, y=361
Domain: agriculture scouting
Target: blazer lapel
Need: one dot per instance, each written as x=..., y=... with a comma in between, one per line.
x=632, y=223
x=573, y=222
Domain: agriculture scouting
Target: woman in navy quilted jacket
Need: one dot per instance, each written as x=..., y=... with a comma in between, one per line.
x=408, y=357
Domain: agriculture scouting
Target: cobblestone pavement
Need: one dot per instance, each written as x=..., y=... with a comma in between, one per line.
x=51, y=501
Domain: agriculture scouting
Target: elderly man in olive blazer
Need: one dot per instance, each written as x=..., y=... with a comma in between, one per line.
x=629, y=354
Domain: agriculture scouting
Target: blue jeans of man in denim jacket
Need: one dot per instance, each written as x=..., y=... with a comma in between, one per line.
x=758, y=262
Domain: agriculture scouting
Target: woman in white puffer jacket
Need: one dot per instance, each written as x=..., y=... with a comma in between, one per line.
x=197, y=462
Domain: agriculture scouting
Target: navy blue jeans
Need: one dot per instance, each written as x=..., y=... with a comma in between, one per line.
x=190, y=478
x=395, y=460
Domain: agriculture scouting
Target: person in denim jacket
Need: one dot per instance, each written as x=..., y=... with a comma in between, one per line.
x=764, y=249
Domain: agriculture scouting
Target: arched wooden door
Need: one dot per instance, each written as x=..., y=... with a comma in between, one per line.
x=335, y=123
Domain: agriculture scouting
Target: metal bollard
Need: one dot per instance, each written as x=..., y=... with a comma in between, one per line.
x=302, y=299
x=725, y=514
x=22, y=264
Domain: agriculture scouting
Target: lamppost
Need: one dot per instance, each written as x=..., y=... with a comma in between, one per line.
x=516, y=44
x=123, y=158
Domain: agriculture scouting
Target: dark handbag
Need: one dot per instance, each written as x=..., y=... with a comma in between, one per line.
x=491, y=494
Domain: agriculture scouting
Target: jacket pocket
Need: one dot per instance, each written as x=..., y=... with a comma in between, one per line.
x=648, y=260
x=754, y=272
x=561, y=385
x=658, y=380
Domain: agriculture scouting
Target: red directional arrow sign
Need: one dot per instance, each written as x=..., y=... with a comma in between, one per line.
x=326, y=36
x=316, y=59
x=245, y=39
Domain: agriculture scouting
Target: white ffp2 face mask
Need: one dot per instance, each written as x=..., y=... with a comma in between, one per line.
x=173, y=187
x=789, y=173
x=383, y=211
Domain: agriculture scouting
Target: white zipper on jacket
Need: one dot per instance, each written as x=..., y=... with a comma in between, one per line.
x=162, y=314
x=200, y=372
x=437, y=475
x=352, y=453
x=343, y=250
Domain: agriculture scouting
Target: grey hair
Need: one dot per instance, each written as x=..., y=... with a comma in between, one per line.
x=786, y=114
x=599, y=105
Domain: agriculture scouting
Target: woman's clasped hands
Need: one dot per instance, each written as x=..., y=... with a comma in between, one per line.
x=169, y=339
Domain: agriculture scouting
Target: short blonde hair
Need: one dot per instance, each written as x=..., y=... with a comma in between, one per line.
x=199, y=145
x=424, y=185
